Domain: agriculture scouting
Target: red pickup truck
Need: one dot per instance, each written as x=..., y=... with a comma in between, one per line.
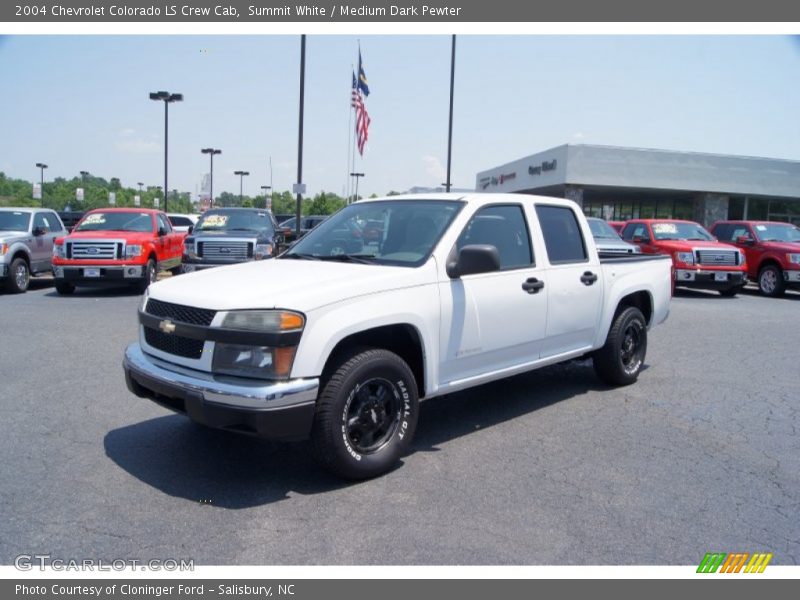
x=116, y=245
x=772, y=250
x=698, y=259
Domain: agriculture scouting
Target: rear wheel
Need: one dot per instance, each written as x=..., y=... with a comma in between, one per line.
x=620, y=360
x=770, y=281
x=64, y=288
x=366, y=415
x=19, y=276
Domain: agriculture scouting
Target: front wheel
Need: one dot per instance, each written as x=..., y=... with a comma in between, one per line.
x=366, y=415
x=19, y=277
x=64, y=288
x=150, y=275
x=620, y=360
x=770, y=281
x=731, y=292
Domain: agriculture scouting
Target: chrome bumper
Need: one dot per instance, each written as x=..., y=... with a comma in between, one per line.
x=233, y=392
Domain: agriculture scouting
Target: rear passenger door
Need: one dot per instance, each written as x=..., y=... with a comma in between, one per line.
x=489, y=320
x=573, y=281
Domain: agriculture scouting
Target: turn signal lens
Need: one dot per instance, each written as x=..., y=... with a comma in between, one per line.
x=291, y=321
x=269, y=321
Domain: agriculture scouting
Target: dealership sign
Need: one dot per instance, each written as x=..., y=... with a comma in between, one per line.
x=501, y=179
x=545, y=166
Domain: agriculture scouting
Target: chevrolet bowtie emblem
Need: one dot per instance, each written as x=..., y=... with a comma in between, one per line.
x=167, y=326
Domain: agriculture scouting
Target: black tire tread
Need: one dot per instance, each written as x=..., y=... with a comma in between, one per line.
x=780, y=286
x=11, y=282
x=325, y=418
x=606, y=363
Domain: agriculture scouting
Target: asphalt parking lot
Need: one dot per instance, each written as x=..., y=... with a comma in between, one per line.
x=553, y=467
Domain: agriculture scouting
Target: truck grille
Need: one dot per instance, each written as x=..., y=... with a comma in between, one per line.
x=89, y=250
x=173, y=344
x=719, y=258
x=180, y=313
x=225, y=250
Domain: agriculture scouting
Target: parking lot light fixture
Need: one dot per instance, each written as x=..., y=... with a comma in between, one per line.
x=241, y=175
x=42, y=167
x=167, y=98
x=266, y=188
x=211, y=152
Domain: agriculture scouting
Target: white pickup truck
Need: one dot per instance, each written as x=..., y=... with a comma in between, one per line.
x=387, y=302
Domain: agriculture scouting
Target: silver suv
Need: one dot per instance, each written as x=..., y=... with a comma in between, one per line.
x=26, y=244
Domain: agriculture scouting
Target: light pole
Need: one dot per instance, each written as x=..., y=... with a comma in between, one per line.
x=166, y=98
x=241, y=175
x=265, y=188
x=450, y=126
x=42, y=167
x=84, y=175
x=357, y=176
x=140, y=184
x=211, y=152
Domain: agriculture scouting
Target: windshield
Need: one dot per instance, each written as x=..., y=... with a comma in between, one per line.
x=400, y=232
x=234, y=220
x=602, y=230
x=778, y=232
x=681, y=231
x=14, y=221
x=116, y=221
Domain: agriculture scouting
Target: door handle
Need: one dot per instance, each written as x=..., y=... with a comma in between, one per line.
x=588, y=278
x=532, y=285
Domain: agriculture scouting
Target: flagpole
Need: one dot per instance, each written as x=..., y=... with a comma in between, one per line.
x=354, y=129
x=450, y=128
x=350, y=140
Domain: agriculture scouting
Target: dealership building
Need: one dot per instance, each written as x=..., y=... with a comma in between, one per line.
x=627, y=183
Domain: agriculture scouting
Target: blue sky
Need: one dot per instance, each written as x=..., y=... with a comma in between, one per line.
x=80, y=103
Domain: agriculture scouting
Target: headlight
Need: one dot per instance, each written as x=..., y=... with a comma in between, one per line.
x=685, y=257
x=267, y=321
x=4, y=249
x=792, y=258
x=133, y=250
x=262, y=362
x=58, y=250
x=189, y=248
x=263, y=250
x=742, y=257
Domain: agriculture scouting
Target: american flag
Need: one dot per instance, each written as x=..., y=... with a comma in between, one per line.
x=362, y=118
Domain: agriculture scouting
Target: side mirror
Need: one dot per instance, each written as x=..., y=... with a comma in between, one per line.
x=472, y=259
x=637, y=239
x=190, y=230
x=162, y=231
x=745, y=240
x=37, y=231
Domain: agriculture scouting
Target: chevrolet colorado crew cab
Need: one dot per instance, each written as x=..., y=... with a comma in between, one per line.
x=699, y=260
x=26, y=244
x=772, y=250
x=114, y=246
x=458, y=291
x=227, y=236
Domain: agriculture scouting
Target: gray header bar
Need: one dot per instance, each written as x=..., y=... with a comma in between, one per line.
x=413, y=11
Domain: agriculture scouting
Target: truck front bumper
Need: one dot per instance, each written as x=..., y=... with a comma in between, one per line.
x=792, y=278
x=709, y=280
x=272, y=409
x=98, y=274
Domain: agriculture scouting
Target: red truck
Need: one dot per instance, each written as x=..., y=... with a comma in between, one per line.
x=772, y=250
x=116, y=245
x=698, y=260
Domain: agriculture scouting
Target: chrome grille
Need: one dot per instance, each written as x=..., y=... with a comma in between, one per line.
x=232, y=250
x=180, y=313
x=90, y=250
x=718, y=258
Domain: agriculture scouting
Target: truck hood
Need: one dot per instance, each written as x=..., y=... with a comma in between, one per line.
x=688, y=245
x=248, y=235
x=773, y=246
x=9, y=237
x=291, y=284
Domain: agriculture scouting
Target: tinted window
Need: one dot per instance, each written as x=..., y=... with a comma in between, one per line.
x=633, y=230
x=53, y=222
x=504, y=228
x=39, y=222
x=235, y=220
x=163, y=222
x=180, y=221
x=562, y=234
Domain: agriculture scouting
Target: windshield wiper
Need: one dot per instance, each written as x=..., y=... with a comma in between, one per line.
x=356, y=258
x=300, y=256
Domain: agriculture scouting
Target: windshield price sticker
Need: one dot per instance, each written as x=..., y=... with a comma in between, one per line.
x=761, y=227
x=95, y=218
x=215, y=221
x=665, y=228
